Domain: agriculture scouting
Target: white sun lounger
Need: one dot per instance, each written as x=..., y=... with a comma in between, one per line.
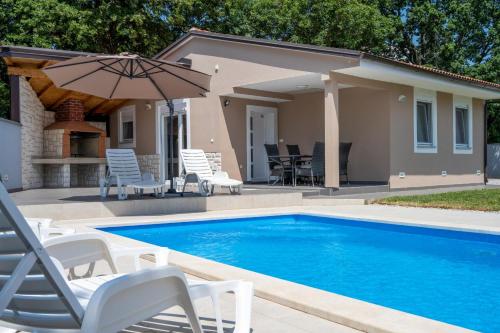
x=198, y=171
x=124, y=169
x=88, y=248
x=35, y=295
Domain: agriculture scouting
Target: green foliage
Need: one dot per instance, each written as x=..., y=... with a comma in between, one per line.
x=461, y=36
x=494, y=123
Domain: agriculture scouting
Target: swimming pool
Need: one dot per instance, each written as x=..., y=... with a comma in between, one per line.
x=449, y=276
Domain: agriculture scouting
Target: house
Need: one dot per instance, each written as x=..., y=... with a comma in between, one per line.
x=410, y=126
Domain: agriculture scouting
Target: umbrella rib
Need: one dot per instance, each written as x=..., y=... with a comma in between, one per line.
x=155, y=84
x=177, y=76
x=85, y=75
x=74, y=64
x=116, y=85
x=144, y=72
x=124, y=69
x=110, y=69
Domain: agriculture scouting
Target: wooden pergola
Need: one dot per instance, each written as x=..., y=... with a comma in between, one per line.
x=28, y=62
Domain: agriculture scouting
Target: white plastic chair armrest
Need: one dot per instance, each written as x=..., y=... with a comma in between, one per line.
x=160, y=254
x=134, y=297
x=46, y=233
x=79, y=249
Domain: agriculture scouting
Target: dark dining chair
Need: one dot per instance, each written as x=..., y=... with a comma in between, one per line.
x=316, y=169
x=278, y=167
x=293, y=150
x=299, y=159
x=344, y=150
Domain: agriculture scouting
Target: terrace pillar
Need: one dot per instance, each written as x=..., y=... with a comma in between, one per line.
x=331, y=133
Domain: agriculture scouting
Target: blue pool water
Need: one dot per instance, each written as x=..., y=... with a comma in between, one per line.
x=444, y=275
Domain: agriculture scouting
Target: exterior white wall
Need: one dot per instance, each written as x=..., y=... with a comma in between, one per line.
x=10, y=153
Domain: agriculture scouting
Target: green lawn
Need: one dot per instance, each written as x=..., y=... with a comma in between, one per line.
x=485, y=200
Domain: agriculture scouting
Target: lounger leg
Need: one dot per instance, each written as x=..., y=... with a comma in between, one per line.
x=243, y=299
x=243, y=293
x=188, y=308
x=218, y=314
x=102, y=188
x=122, y=193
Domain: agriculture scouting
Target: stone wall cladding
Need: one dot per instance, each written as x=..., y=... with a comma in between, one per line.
x=150, y=163
x=53, y=143
x=87, y=175
x=57, y=175
x=49, y=118
x=215, y=161
x=33, y=120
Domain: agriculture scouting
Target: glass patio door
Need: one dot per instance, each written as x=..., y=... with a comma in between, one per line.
x=179, y=137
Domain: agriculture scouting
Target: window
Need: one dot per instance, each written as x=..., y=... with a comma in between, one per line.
x=424, y=124
x=127, y=127
x=462, y=125
x=425, y=121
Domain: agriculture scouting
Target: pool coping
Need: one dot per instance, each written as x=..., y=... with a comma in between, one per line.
x=344, y=310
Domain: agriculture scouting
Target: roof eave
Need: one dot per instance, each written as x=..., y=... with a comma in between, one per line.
x=429, y=72
x=39, y=53
x=258, y=42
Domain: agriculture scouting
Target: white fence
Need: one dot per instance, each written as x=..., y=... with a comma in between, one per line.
x=10, y=154
x=493, y=169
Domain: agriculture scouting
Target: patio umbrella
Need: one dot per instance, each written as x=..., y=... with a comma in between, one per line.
x=129, y=76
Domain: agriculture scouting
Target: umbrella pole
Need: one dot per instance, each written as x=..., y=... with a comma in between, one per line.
x=171, y=146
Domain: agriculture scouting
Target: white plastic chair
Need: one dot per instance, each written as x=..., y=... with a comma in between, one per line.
x=35, y=296
x=123, y=167
x=198, y=171
x=88, y=248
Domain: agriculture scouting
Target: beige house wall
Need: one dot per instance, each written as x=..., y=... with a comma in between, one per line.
x=424, y=169
x=215, y=128
x=364, y=121
x=380, y=127
x=223, y=130
x=145, y=142
x=301, y=122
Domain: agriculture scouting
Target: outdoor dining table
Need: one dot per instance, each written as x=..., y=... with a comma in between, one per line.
x=293, y=161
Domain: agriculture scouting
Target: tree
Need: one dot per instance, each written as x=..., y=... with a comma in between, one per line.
x=462, y=36
x=93, y=26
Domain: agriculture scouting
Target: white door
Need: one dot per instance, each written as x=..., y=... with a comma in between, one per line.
x=261, y=129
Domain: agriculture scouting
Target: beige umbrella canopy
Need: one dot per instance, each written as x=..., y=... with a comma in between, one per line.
x=129, y=76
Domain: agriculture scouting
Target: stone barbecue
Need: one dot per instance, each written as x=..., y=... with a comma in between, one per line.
x=79, y=139
x=73, y=149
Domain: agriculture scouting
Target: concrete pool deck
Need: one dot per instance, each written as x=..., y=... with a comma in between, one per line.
x=297, y=300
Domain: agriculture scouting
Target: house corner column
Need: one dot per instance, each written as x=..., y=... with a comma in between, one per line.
x=331, y=133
